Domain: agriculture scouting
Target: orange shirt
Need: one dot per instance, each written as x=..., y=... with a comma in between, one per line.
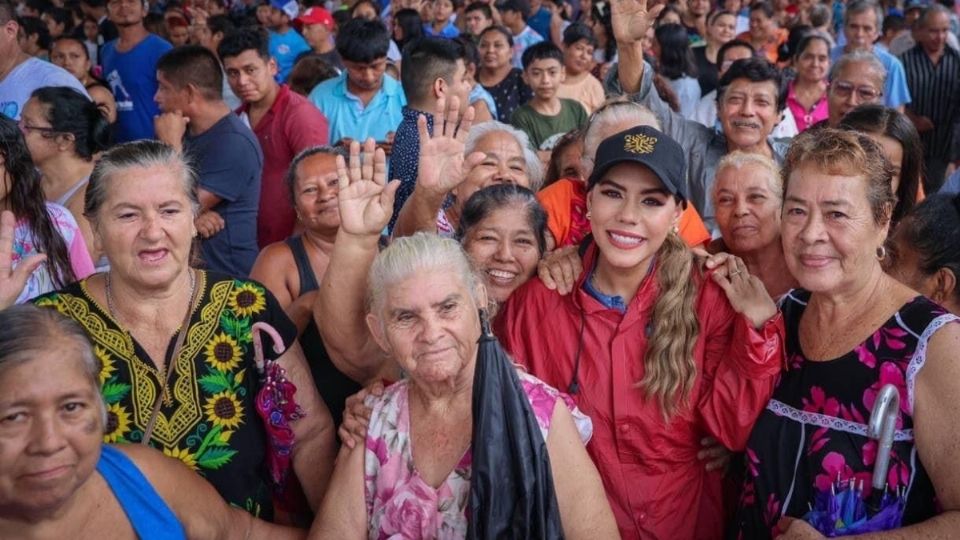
x=771, y=49
x=566, y=204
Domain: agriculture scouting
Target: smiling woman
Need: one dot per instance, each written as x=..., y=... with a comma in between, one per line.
x=851, y=330
x=747, y=195
x=503, y=230
x=179, y=340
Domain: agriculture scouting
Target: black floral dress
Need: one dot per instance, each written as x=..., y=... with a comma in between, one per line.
x=813, y=431
x=509, y=94
x=208, y=419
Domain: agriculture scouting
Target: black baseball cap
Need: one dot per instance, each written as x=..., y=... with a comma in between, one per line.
x=647, y=146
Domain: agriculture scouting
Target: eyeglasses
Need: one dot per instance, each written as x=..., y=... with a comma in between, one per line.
x=26, y=128
x=865, y=93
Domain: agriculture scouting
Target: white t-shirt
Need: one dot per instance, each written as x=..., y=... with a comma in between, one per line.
x=34, y=73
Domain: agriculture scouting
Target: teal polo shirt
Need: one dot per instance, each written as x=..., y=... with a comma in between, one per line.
x=349, y=118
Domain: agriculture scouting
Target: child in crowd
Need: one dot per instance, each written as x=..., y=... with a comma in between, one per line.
x=579, y=44
x=443, y=17
x=546, y=115
x=286, y=44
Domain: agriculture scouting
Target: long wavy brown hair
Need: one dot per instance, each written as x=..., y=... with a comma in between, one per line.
x=669, y=368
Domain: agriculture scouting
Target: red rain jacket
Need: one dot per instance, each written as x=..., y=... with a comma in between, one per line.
x=657, y=487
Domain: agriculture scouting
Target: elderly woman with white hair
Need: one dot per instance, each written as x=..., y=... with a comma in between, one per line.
x=457, y=162
x=412, y=476
x=747, y=195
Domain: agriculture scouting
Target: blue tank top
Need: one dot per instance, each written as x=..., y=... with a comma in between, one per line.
x=149, y=515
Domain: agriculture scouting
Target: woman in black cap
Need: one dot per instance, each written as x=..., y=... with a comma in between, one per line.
x=656, y=354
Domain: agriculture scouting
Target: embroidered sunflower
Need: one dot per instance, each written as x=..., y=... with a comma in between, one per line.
x=107, y=365
x=118, y=424
x=246, y=300
x=185, y=456
x=224, y=410
x=223, y=353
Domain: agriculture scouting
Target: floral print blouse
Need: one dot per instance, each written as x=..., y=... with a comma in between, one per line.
x=812, y=433
x=400, y=504
x=208, y=418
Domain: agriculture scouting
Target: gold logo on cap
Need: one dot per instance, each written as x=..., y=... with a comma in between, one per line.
x=639, y=144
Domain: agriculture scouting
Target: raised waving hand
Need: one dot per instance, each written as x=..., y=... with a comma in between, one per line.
x=442, y=163
x=365, y=197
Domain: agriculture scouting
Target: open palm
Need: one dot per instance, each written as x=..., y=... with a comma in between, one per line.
x=365, y=198
x=631, y=19
x=13, y=280
x=441, y=166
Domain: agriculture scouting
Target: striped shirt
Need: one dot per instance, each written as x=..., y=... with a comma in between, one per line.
x=935, y=90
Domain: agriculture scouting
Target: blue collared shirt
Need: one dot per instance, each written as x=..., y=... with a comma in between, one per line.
x=895, y=92
x=610, y=302
x=347, y=115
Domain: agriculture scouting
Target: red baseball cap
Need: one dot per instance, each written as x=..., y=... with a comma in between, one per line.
x=315, y=15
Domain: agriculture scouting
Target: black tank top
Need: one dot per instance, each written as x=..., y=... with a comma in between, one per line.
x=333, y=385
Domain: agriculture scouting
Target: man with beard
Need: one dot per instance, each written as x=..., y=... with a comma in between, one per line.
x=130, y=68
x=284, y=122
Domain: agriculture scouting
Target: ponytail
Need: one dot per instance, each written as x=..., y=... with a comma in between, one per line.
x=669, y=367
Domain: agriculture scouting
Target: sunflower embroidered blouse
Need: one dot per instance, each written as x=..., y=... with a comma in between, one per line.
x=207, y=418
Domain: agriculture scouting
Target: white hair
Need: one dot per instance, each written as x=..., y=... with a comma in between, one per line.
x=738, y=160
x=860, y=57
x=534, y=168
x=613, y=117
x=411, y=255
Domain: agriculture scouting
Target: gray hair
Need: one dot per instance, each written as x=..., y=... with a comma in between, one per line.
x=26, y=329
x=412, y=255
x=738, y=160
x=137, y=155
x=291, y=178
x=479, y=131
x=612, y=117
x=863, y=6
x=858, y=57
x=929, y=11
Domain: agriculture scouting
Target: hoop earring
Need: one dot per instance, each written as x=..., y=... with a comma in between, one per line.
x=881, y=253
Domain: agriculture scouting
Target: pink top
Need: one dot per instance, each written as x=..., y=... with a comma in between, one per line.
x=25, y=244
x=803, y=117
x=400, y=504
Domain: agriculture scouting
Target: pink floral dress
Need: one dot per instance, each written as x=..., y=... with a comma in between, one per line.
x=400, y=504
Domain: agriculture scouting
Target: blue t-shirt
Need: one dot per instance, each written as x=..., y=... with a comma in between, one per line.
x=349, y=118
x=285, y=48
x=33, y=73
x=895, y=92
x=540, y=21
x=449, y=31
x=132, y=77
x=229, y=161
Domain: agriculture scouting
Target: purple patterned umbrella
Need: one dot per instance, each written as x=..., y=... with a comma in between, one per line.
x=843, y=510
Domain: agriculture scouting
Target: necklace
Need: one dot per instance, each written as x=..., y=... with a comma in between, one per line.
x=112, y=308
x=163, y=370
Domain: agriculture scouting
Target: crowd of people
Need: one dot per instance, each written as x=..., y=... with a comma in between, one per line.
x=643, y=269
